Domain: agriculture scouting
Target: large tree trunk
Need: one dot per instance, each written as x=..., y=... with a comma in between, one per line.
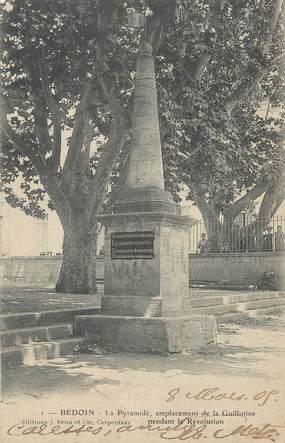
x=228, y=235
x=78, y=270
x=213, y=228
x=211, y=220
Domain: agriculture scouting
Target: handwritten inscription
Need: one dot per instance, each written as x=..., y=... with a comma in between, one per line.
x=216, y=394
x=181, y=431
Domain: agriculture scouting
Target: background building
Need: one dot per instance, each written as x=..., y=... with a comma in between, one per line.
x=24, y=235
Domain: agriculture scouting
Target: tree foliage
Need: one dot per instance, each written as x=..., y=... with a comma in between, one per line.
x=68, y=79
x=65, y=63
x=216, y=62
x=221, y=62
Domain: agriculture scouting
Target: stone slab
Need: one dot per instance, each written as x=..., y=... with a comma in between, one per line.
x=30, y=354
x=16, y=337
x=264, y=303
x=43, y=318
x=153, y=335
x=132, y=305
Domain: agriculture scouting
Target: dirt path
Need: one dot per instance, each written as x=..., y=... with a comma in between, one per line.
x=248, y=364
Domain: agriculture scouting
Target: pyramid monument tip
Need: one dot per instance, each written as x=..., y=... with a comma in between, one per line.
x=145, y=48
x=144, y=189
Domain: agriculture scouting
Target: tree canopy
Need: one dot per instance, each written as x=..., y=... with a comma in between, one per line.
x=221, y=66
x=216, y=62
x=65, y=63
x=68, y=79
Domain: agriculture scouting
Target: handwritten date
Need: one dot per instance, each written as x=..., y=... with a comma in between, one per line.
x=216, y=394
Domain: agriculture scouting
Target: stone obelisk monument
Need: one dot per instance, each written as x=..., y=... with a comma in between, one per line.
x=146, y=304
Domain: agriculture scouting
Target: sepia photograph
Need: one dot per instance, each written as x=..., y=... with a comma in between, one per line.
x=142, y=221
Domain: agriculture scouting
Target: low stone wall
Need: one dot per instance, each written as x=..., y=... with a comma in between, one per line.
x=229, y=268
x=235, y=268
x=36, y=271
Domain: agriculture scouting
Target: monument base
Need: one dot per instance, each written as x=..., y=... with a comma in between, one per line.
x=126, y=305
x=159, y=335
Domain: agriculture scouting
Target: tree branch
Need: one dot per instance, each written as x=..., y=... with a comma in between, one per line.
x=89, y=135
x=77, y=138
x=40, y=109
x=244, y=88
x=207, y=211
x=55, y=111
x=207, y=48
x=108, y=159
x=154, y=31
x=201, y=64
x=232, y=211
x=272, y=199
x=125, y=153
x=272, y=25
x=51, y=184
x=249, y=82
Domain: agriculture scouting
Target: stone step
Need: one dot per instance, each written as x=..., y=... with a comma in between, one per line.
x=217, y=285
x=231, y=308
x=44, y=318
x=206, y=301
x=235, y=298
x=215, y=310
x=16, y=337
x=254, y=295
x=40, y=352
x=235, y=316
x=251, y=296
x=229, y=316
x=213, y=293
x=257, y=304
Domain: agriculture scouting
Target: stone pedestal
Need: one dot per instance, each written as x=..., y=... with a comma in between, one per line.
x=144, y=307
x=153, y=286
x=159, y=335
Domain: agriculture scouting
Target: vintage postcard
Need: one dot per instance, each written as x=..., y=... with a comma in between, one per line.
x=142, y=221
